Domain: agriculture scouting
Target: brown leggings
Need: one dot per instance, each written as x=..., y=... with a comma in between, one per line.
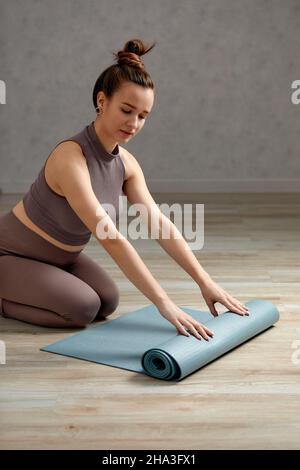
x=48, y=286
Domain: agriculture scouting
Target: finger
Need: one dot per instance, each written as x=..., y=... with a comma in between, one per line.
x=181, y=329
x=245, y=309
x=200, y=330
x=236, y=309
x=212, y=309
x=203, y=333
x=192, y=329
x=203, y=330
x=209, y=332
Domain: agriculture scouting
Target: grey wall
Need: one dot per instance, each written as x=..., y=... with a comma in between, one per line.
x=223, y=119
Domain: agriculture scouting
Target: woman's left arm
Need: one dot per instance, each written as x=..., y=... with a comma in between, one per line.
x=136, y=190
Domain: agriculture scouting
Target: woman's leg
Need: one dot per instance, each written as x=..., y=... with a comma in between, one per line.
x=43, y=294
x=89, y=271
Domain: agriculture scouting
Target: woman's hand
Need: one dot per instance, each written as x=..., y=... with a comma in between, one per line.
x=183, y=321
x=213, y=293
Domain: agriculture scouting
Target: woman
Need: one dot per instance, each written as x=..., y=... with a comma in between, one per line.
x=45, y=278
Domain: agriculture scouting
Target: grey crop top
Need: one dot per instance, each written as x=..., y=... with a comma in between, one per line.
x=52, y=212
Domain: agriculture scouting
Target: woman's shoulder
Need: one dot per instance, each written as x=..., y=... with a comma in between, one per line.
x=68, y=147
x=72, y=151
x=68, y=151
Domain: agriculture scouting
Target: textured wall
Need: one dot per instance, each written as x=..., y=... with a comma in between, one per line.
x=223, y=119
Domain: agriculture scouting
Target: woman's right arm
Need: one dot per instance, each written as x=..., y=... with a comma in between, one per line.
x=73, y=179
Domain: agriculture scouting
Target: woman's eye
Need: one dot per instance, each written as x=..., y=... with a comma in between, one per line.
x=128, y=112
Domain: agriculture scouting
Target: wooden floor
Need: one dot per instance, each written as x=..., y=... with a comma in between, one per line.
x=247, y=399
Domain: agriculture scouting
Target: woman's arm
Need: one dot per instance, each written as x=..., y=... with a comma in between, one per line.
x=179, y=250
x=127, y=258
x=137, y=191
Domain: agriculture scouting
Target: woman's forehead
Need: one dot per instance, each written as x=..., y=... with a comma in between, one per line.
x=136, y=96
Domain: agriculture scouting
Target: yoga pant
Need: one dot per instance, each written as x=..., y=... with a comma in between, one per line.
x=48, y=286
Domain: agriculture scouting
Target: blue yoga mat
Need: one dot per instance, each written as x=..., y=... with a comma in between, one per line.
x=144, y=341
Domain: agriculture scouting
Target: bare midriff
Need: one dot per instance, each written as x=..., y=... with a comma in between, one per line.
x=20, y=213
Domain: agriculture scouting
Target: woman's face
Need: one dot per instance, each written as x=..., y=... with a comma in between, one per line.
x=127, y=110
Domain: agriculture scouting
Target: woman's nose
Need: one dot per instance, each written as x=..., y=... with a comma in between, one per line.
x=133, y=123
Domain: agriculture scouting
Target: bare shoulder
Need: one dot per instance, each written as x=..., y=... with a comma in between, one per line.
x=66, y=153
x=69, y=149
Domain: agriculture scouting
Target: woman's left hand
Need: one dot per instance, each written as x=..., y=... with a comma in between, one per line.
x=213, y=293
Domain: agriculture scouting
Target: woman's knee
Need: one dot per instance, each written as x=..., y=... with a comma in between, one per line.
x=109, y=302
x=84, y=310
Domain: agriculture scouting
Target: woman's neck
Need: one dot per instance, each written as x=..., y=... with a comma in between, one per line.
x=105, y=139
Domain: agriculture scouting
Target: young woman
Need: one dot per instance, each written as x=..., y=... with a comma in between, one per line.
x=45, y=278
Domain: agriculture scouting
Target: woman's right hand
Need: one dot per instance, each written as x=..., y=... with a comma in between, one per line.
x=183, y=321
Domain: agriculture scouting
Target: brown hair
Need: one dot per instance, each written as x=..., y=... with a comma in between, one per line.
x=129, y=68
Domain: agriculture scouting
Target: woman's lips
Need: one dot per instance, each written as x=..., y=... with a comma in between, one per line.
x=127, y=133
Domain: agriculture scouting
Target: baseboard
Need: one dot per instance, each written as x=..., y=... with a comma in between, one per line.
x=191, y=186
x=224, y=186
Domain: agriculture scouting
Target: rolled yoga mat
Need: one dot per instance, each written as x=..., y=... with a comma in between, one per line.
x=144, y=341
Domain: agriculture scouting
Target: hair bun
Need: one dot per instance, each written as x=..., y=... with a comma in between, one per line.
x=132, y=52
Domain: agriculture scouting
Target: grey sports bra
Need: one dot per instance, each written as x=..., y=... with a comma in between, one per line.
x=52, y=212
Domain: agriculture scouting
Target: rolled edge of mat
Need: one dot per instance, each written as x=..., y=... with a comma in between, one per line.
x=160, y=365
